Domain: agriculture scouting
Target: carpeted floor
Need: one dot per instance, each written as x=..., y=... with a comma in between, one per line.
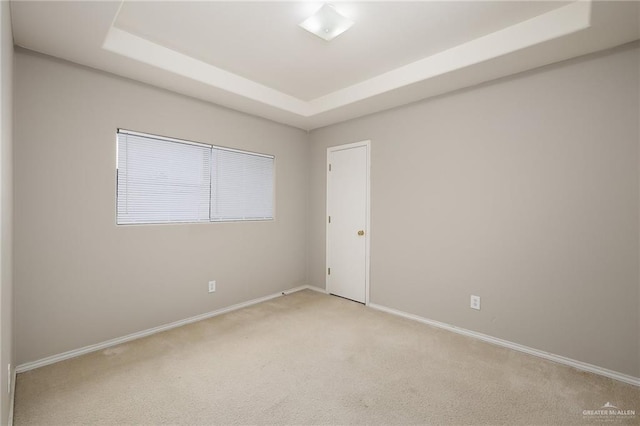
x=309, y=358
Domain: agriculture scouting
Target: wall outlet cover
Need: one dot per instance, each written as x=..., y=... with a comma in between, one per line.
x=475, y=302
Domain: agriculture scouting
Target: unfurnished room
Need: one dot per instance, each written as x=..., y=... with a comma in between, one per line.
x=305, y=213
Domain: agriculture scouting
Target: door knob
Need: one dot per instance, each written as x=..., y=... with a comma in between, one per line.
x=360, y=233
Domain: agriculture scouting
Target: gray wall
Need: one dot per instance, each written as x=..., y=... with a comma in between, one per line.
x=79, y=278
x=6, y=206
x=524, y=192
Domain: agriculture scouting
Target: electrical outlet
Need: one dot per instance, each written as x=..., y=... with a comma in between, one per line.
x=475, y=302
x=212, y=286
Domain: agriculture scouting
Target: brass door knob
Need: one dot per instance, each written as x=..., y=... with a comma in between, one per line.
x=360, y=233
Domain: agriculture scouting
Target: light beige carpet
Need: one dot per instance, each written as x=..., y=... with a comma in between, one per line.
x=308, y=358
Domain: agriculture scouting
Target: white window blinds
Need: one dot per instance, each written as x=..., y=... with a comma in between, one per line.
x=241, y=186
x=162, y=180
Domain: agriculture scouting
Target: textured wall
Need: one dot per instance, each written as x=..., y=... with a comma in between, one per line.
x=80, y=279
x=6, y=206
x=524, y=192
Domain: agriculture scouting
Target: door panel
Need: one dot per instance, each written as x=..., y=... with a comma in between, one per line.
x=347, y=233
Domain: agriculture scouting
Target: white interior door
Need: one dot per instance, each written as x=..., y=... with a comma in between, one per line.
x=348, y=221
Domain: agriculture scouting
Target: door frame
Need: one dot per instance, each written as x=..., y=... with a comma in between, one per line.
x=367, y=230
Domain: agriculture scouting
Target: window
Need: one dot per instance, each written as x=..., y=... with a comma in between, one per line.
x=163, y=180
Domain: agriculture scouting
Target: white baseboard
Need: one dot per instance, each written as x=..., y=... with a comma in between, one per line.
x=515, y=346
x=318, y=289
x=494, y=340
x=144, y=333
x=291, y=290
x=12, y=399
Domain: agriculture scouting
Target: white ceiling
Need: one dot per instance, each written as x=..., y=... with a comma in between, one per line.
x=261, y=41
x=253, y=56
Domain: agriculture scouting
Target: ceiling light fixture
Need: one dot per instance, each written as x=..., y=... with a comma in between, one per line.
x=327, y=23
